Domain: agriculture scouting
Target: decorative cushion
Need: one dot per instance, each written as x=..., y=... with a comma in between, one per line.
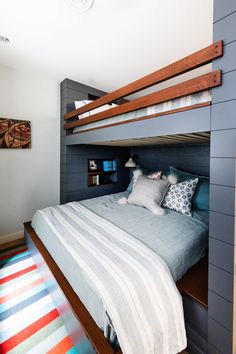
x=136, y=173
x=201, y=196
x=149, y=193
x=155, y=175
x=179, y=196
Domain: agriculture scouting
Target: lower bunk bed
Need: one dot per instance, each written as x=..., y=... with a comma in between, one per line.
x=181, y=241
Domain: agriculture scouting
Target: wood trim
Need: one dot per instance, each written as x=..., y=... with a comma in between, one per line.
x=91, y=329
x=197, y=290
x=185, y=88
x=155, y=115
x=12, y=243
x=190, y=62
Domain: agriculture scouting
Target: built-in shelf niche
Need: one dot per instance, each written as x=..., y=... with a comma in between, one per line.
x=101, y=172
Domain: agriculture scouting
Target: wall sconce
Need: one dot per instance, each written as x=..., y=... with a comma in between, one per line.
x=130, y=163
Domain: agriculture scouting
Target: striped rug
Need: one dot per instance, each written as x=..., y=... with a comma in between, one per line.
x=30, y=322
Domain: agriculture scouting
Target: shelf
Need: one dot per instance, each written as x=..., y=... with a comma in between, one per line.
x=101, y=173
x=101, y=184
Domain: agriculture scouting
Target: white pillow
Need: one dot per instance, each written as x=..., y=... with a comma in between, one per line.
x=179, y=196
x=79, y=104
x=149, y=193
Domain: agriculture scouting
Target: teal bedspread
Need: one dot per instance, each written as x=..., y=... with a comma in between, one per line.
x=180, y=240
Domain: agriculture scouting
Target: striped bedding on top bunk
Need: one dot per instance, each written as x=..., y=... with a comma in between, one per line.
x=134, y=283
x=158, y=108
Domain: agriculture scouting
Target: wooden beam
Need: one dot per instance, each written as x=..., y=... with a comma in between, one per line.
x=185, y=88
x=190, y=62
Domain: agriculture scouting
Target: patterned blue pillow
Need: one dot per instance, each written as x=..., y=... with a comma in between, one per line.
x=201, y=196
x=179, y=196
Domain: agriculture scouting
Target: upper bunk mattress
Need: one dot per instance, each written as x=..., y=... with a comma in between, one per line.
x=159, y=108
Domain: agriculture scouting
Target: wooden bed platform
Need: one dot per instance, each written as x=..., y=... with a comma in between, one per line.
x=194, y=284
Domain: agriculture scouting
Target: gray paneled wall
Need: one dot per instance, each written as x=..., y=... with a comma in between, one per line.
x=74, y=159
x=74, y=174
x=191, y=158
x=221, y=312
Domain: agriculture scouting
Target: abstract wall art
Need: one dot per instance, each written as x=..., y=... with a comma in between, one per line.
x=15, y=134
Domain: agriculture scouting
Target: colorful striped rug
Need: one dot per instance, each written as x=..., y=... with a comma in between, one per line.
x=30, y=322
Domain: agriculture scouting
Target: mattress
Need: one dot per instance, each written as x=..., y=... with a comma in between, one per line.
x=180, y=240
x=159, y=108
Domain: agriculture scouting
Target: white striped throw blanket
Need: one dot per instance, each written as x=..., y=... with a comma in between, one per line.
x=133, y=282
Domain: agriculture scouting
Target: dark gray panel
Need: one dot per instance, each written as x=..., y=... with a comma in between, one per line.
x=221, y=310
x=196, y=342
x=223, y=8
x=227, y=91
x=225, y=29
x=221, y=282
x=223, y=143
x=196, y=120
x=219, y=336
x=223, y=171
x=227, y=62
x=221, y=227
x=223, y=115
x=222, y=199
x=211, y=349
x=221, y=254
x=190, y=158
x=195, y=315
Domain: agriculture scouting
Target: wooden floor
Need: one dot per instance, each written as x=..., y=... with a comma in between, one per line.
x=195, y=282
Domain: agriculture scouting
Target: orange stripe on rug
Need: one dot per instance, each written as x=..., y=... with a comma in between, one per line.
x=17, y=274
x=20, y=291
x=9, y=255
x=28, y=331
x=62, y=347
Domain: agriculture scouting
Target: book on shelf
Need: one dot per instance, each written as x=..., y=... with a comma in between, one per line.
x=94, y=180
x=109, y=166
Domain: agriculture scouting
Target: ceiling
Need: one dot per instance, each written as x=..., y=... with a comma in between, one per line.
x=114, y=43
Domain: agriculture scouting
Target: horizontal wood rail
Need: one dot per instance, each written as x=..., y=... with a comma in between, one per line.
x=185, y=88
x=190, y=62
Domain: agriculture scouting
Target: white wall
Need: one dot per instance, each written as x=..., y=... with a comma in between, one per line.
x=29, y=179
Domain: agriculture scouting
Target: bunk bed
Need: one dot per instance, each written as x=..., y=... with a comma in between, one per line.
x=176, y=114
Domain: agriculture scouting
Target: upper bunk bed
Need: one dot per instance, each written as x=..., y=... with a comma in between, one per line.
x=180, y=109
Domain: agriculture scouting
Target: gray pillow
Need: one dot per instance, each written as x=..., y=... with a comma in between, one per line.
x=149, y=193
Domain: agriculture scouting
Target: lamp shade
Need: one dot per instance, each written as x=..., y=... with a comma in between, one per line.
x=130, y=163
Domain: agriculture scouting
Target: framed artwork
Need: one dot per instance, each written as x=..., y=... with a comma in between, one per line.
x=15, y=134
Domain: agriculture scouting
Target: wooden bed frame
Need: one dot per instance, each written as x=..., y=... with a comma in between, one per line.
x=196, y=85
x=188, y=286
x=194, y=284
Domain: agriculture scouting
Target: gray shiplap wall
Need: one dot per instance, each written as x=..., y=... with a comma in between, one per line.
x=74, y=174
x=74, y=158
x=191, y=158
x=221, y=312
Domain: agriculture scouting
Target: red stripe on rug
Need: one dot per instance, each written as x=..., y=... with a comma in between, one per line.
x=28, y=331
x=62, y=347
x=9, y=255
x=20, y=291
x=17, y=274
